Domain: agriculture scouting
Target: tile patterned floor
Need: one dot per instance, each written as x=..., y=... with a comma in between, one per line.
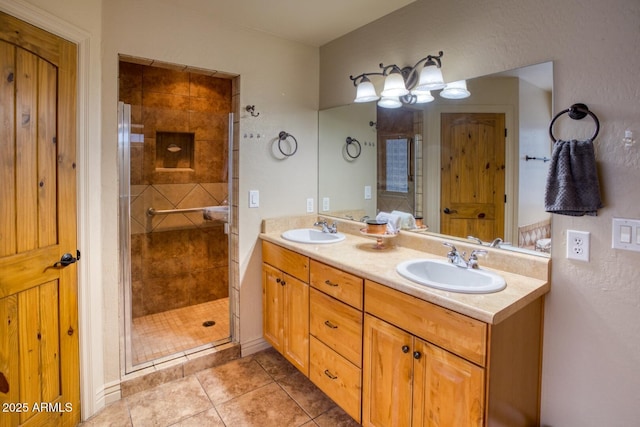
x=174, y=331
x=260, y=390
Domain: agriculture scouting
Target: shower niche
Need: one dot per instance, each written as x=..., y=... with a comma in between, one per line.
x=176, y=151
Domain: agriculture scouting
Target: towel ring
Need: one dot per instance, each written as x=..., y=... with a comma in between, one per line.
x=283, y=136
x=356, y=144
x=576, y=112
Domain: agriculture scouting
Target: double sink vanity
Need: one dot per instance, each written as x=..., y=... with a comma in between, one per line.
x=399, y=335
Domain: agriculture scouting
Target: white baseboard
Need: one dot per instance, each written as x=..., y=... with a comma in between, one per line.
x=253, y=346
x=112, y=392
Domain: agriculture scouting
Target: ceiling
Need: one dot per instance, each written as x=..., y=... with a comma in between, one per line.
x=311, y=22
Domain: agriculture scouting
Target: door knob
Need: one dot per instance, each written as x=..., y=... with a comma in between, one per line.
x=67, y=259
x=450, y=211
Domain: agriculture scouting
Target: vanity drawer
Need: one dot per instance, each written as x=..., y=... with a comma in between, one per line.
x=337, y=325
x=285, y=260
x=341, y=285
x=452, y=331
x=337, y=377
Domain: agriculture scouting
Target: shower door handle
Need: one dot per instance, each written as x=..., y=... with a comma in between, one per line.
x=67, y=259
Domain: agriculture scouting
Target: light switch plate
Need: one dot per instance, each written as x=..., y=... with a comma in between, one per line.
x=325, y=204
x=254, y=198
x=310, y=205
x=367, y=192
x=625, y=234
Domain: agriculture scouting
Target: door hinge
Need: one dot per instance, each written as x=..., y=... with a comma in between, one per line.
x=505, y=132
x=505, y=198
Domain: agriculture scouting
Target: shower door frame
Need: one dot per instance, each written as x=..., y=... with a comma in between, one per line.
x=124, y=213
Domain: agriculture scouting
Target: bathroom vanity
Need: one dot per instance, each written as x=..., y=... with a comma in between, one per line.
x=391, y=352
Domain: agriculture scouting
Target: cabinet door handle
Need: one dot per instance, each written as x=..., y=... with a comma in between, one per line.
x=330, y=375
x=417, y=355
x=278, y=280
x=283, y=283
x=405, y=349
x=330, y=325
x=330, y=283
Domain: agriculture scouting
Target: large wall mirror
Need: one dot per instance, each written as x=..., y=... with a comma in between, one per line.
x=418, y=159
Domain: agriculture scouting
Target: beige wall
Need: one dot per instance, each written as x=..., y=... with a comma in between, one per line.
x=592, y=346
x=590, y=375
x=277, y=76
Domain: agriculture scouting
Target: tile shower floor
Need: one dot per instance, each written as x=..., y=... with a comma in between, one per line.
x=171, y=332
x=259, y=390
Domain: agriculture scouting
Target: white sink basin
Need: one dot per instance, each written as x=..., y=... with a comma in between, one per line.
x=311, y=235
x=446, y=276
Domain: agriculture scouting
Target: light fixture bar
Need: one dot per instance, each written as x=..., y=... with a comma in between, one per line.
x=408, y=85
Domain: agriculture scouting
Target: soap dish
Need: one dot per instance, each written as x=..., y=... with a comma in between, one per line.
x=380, y=238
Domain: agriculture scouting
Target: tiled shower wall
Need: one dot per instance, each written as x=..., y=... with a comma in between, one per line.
x=177, y=260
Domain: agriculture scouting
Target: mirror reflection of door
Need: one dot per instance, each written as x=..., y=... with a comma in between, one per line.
x=399, y=183
x=473, y=175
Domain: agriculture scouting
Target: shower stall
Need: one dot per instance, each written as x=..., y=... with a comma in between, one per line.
x=175, y=144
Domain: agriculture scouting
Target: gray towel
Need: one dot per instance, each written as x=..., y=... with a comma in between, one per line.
x=572, y=183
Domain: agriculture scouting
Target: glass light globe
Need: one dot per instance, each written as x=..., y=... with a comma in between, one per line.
x=430, y=79
x=455, y=90
x=389, y=102
x=422, y=97
x=365, y=92
x=394, y=85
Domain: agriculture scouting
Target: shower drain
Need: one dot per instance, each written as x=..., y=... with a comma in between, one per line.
x=208, y=323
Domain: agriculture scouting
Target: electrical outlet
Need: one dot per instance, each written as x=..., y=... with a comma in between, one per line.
x=578, y=245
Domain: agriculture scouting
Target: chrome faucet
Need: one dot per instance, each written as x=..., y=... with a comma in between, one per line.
x=326, y=228
x=497, y=242
x=475, y=239
x=458, y=258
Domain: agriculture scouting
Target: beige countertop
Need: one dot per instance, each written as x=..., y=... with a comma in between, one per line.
x=356, y=255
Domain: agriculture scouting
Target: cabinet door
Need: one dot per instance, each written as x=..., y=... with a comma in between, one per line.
x=447, y=390
x=296, y=323
x=272, y=306
x=387, y=368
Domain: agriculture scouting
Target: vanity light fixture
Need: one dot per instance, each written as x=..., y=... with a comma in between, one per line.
x=408, y=85
x=455, y=90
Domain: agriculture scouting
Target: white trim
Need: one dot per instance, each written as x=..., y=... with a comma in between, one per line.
x=250, y=347
x=92, y=390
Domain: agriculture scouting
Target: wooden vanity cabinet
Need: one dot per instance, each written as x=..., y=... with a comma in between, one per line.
x=336, y=335
x=285, y=303
x=410, y=382
x=424, y=365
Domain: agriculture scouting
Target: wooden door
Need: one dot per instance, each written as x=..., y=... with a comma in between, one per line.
x=447, y=390
x=39, y=362
x=473, y=174
x=272, y=323
x=296, y=323
x=386, y=374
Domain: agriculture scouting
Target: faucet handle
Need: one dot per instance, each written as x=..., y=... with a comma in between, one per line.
x=473, y=258
x=451, y=247
x=476, y=252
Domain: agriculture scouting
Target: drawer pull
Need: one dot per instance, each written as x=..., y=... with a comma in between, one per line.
x=330, y=325
x=330, y=375
x=330, y=283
